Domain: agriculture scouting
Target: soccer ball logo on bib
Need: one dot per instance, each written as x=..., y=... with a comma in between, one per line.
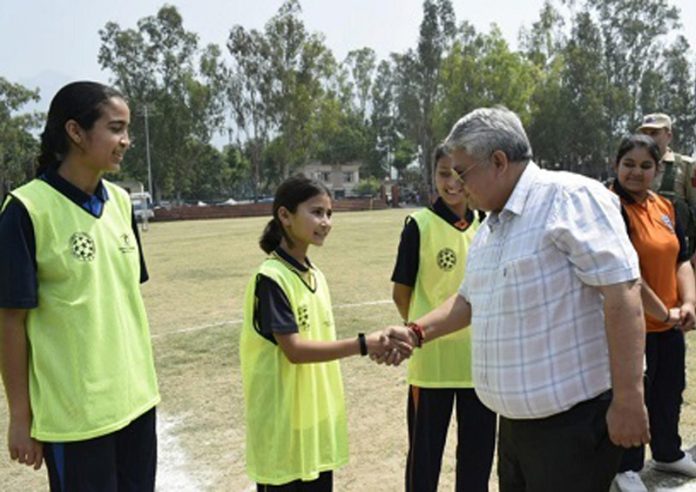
x=303, y=318
x=446, y=259
x=82, y=246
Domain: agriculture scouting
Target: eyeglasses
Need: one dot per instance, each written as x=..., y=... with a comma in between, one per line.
x=461, y=176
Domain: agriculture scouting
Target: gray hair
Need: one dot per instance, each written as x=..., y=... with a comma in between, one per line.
x=485, y=130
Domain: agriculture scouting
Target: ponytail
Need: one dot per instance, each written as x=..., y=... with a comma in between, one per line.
x=51, y=151
x=271, y=236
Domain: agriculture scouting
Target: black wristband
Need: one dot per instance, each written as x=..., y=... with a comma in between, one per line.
x=363, y=343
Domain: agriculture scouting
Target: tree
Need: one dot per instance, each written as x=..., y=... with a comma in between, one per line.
x=240, y=184
x=417, y=80
x=545, y=40
x=583, y=97
x=481, y=70
x=278, y=82
x=544, y=46
x=159, y=66
x=361, y=64
x=633, y=31
x=404, y=154
x=384, y=134
x=18, y=148
x=300, y=63
x=669, y=87
x=596, y=83
x=250, y=94
x=341, y=135
x=213, y=176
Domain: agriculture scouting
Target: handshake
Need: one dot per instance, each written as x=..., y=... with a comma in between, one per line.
x=394, y=344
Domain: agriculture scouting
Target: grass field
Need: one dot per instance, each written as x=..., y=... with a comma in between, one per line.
x=198, y=273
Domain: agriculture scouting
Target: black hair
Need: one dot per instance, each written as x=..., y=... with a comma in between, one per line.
x=79, y=101
x=639, y=141
x=628, y=144
x=291, y=192
x=439, y=152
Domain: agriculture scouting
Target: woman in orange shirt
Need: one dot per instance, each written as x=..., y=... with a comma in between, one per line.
x=669, y=295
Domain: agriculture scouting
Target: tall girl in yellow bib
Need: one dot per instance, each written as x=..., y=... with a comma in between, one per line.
x=75, y=348
x=293, y=392
x=429, y=269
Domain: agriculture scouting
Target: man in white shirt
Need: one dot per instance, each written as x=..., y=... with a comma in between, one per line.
x=552, y=292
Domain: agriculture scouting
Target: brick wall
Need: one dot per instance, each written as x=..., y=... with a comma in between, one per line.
x=253, y=210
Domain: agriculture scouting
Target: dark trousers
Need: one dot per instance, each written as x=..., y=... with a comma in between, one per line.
x=322, y=484
x=665, y=354
x=123, y=461
x=570, y=451
x=429, y=414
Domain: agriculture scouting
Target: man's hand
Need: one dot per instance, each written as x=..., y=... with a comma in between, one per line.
x=627, y=422
x=397, y=343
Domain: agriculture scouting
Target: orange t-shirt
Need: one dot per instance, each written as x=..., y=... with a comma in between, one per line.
x=653, y=234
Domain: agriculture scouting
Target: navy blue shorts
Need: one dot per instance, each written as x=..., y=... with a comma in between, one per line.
x=123, y=461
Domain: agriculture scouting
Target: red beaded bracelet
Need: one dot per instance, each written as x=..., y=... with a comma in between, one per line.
x=418, y=330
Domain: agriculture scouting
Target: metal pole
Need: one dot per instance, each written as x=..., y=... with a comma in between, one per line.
x=147, y=155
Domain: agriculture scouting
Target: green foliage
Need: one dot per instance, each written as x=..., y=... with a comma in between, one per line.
x=598, y=81
x=361, y=64
x=368, y=187
x=341, y=134
x=481, y=70
x=669, y=88
x=276, y=87
x=18, y=147
x=161, y=70
x=404, y=154
x=417, y=82
x=586, y=72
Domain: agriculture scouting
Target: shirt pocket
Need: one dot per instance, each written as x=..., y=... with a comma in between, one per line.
x=523, y=283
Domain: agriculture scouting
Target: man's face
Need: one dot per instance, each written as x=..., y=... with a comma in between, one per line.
x=662, y=137
x=478, y=180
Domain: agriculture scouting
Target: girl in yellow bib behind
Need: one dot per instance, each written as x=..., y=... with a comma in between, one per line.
x=293, y=392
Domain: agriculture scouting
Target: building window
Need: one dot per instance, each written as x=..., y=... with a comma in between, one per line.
x=325, y=176
x=348, y=177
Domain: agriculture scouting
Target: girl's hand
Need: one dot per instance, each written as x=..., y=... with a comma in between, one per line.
x=674, y=316
x=387, y=347
x=687, y=317
x=22, y=446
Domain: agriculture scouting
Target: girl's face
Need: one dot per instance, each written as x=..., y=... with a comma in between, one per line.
x=103, y=146
x=636, y=170
x=448, y=186
x=310, y=223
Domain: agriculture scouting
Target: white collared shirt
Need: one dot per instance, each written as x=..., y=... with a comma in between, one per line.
x=539, y=340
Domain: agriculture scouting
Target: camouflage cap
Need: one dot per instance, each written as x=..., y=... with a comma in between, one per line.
x=656, y=120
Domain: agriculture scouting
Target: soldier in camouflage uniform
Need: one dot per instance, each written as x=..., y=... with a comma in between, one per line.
x=676, y=180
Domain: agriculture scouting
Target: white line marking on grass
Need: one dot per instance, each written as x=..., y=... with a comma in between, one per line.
x=171, y=458
x=238, y=321
x=359, y=304
x=197, y=328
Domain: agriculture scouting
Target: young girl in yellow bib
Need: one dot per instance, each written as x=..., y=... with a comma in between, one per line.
x=75, y=348
x=293, y=392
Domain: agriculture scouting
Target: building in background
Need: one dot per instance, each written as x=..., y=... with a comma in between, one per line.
x=340, y=179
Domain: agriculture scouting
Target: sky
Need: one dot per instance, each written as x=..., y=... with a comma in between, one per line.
x=47, y=43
